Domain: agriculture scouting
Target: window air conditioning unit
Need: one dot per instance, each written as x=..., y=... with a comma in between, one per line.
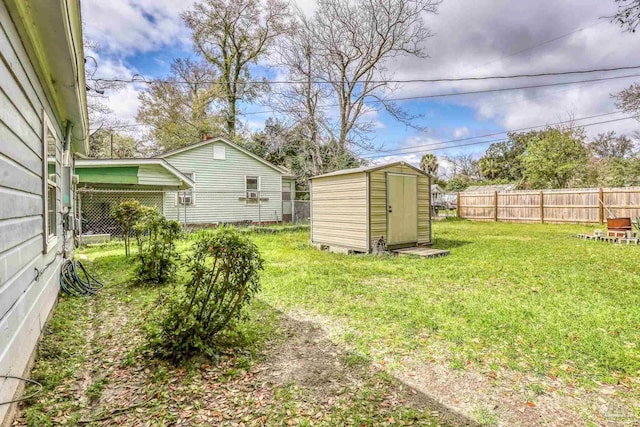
x=186, y=199
x=252, y=194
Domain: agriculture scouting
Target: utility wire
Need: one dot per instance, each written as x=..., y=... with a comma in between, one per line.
x=490, y=141
x=432, y=96
x=139, y=79
x=545, y=42
x=474, y=92
x=399, y=150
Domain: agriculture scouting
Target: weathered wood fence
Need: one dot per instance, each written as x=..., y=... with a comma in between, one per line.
x=584, y=205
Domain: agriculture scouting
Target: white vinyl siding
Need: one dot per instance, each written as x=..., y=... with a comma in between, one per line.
x=220, y=189
x=25, y=303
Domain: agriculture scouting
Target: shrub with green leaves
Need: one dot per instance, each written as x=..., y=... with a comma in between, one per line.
x=156, y=238
x=225, y=268
x=127, y=213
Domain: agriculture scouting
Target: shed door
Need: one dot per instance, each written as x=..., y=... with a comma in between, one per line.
x=402, y=209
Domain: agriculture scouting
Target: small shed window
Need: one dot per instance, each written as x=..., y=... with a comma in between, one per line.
x=219, y=152
x=252, y=189
x=188, y=197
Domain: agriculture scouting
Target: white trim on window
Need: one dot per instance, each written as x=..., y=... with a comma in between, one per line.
x=252, y=200
x=50, y=237
x=191, y=192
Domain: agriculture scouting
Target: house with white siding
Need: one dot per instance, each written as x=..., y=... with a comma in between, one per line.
x=43, y=123
x=206, y=183
x=230, y=184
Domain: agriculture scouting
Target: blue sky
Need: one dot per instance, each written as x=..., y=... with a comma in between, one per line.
x=471, y=37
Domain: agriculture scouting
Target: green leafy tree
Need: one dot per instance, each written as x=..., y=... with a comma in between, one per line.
x=156, y=239
x=181, y=109
x=502, y=160
x=108, y=143
x=225, y=267
x=292, y=149
x=555, y=158
x=429, y=164
x=127, y=213
x=231, y=35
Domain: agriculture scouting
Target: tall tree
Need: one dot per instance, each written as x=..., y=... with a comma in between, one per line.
x=288, y=147
x=611, y=146
x=232, y=34
x=301, y=103
x=555, y=158
x=429, y=164
x=628, y=14
x=502, y=160
x=354, y=41
x=180, y=109
x=106, y=143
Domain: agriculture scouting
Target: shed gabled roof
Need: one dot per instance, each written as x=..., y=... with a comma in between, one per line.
x=369, y=168
x=198, y=144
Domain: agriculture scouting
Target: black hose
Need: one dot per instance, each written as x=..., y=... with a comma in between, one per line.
x=20, y=399
x=75, y=280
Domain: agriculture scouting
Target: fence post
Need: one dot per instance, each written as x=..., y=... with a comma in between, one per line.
x=601, y=205
x=542, y=207
x=495, y=206
x=459, y=215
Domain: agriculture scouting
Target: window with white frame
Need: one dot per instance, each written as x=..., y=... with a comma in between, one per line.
x=252, y=189
x=51, y=171
x=187, y=197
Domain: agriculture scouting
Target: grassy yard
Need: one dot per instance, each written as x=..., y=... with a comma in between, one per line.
x=520, y=306
x=528, y=297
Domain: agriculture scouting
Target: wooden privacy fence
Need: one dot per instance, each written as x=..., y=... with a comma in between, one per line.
x=584, y=205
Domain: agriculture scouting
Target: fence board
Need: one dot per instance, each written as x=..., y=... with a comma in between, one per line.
x=583, y=205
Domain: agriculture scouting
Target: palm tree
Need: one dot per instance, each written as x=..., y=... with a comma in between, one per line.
x=429, y=164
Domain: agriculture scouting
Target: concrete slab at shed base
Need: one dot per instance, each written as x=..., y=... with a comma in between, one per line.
x=422, y=252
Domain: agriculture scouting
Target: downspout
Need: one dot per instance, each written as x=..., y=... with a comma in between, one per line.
x=67, y=178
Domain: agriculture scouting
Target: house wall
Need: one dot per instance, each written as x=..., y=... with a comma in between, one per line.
x=219, y=184
x=26, y=298
x=339, y=211
x=378, y=197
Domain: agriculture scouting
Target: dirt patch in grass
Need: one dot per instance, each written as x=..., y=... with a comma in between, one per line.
x=327, y=376
x=501, y=397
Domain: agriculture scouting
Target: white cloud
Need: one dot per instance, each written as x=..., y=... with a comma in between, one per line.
x=460, y=132
x=128, y=27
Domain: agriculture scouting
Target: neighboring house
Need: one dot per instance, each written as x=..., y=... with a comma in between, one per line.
x=210, y=182
x=489, y=188
x=230, y=184
x=105, y=183
x=43, y=122
x=437, y=194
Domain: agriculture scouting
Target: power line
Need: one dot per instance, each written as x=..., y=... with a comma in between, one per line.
x=430, y=96
x=545, y=42
x=475, y=92
x=140, y=79
x=493, y=140
x=399, y=150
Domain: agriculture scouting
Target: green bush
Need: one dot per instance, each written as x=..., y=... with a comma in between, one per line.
x=225, y=269
x=156, y=238
x=127, y=213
